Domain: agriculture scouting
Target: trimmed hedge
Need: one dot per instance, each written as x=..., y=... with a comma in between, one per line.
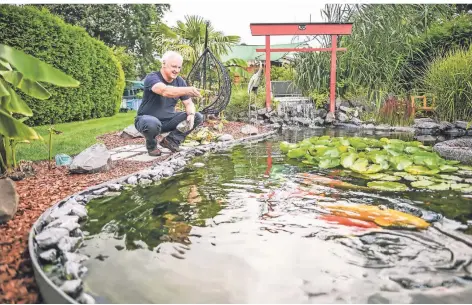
x=70, y=49
x=441, y=37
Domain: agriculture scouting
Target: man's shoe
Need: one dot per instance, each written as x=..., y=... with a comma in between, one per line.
x=156, y=152
x=169, y=144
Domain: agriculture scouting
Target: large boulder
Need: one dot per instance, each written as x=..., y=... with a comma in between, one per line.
x=8, y=200
x=130, y=132
x=249, y=130
x=457, y=149
x=330, y=118
x=94, y=159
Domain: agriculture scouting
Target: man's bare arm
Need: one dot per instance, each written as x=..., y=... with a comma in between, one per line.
x=173, y=92
x=189, y=106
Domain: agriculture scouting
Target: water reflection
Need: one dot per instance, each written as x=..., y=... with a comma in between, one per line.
x=243, y=230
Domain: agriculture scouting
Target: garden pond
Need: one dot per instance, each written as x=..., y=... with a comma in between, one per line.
x=256, y=226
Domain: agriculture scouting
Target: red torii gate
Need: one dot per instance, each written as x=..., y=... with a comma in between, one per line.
x=333, y=29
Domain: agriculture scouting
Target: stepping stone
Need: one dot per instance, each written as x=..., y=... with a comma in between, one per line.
x=142, y=158
x=140, y=149
x=125, y=148
x=124, y=155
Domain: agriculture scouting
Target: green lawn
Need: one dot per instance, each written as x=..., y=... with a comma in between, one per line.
x=76, y=136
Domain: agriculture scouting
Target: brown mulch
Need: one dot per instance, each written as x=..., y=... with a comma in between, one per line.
x=39, y=192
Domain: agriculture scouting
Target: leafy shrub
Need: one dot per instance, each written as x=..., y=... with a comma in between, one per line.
x=440, y=38
x=285, y=72
x=71, y=50
x=450, y=80
x=239, y=103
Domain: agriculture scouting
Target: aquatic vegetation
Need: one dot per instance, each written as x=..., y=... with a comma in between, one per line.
x=387, y=161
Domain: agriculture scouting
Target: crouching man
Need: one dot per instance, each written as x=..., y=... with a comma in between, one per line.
x=157, y=114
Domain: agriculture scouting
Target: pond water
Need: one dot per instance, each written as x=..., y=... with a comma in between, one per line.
x=238, y=231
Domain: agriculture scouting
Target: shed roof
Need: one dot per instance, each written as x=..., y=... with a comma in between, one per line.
x=248, y=52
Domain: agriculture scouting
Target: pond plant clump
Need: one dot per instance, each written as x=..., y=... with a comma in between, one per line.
x=388, y=164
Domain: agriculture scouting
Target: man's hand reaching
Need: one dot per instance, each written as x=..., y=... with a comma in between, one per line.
x=194, y=92
x=190, y=121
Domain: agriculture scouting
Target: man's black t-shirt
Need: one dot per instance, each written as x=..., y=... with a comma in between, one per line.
x=157, y=105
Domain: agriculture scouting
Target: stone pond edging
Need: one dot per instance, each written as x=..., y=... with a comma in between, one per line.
x=55, y=236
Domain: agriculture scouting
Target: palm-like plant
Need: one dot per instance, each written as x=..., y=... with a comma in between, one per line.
x=188, y=38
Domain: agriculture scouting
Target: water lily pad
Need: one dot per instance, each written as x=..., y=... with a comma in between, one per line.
x=459, y=186
x=330, y=152
x=329, y=162
x=400, y=162
x=412, y=150
x=286, y=146
x=360, y=165
x=348, y=160
x=387, y=186
x=420, y=170
x=296, y=153
x=378, y=156
x=466, y=190
x=422, y=183
x=357, y=143
x=398, y=147
x=448, y=168
x=382, y=176
x=440, y=187
x=374, y=168
x=451, y=177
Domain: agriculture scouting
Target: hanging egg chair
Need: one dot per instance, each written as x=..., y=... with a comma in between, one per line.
x=212, y=77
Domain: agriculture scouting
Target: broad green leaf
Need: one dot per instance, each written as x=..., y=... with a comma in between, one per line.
x=415, y=143
x=385, y=165
x=393, y=153
x=400, y=162
x=459, y=186
x=13, y=128
x=35, y=69
x=465, y=167
x=286, y=146
x=452, y=162
x=420, y=170
x=422, y=183
x=357, y=143
x=447, y=169
x=383, y=177
x=331, y=152
x=374, y=168
x=387, y=186
x=466, y=190
x=360, y=165
x=398, y=147
x=440, y=187
x=296, y=153
x=412, y=150
x=313, y=140
x=348, y=160
x=16, y=104
x=451, y=177
x=4, y=65
x=342, y=148
x=329, y=162
x=3, y=89
x=378, y=156
x=32, y=88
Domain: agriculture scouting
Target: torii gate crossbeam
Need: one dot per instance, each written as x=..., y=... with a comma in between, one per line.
x=333, y=29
